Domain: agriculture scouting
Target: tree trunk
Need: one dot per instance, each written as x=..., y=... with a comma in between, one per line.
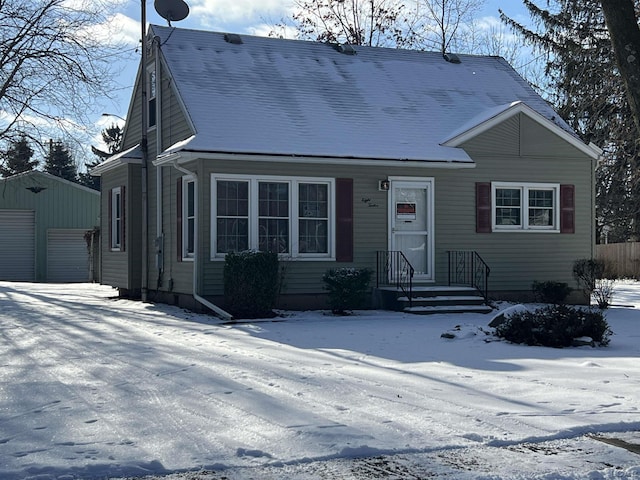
x=623, y=29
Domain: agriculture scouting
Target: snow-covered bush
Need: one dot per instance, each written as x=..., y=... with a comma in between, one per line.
x=347, y=287
x=555, y=326
x=550, y=291
x=251, y=283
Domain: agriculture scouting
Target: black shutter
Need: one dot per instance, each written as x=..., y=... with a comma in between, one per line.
x=344, y=219
x=567, y=209
x=483, y=207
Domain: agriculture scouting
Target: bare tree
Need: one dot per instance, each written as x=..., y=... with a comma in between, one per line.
x=419, y=24
x=53, y=66
x=446, y=24
x=356, y=22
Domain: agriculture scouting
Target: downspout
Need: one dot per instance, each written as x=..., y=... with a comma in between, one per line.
x=219, y=311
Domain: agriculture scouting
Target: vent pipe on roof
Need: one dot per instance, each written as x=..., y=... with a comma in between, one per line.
x=451, y=57
x=346, y=49
x=233, y=38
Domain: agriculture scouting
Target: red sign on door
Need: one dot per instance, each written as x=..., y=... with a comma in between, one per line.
x=406, y=211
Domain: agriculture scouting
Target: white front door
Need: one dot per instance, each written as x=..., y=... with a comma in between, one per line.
x=411, y=224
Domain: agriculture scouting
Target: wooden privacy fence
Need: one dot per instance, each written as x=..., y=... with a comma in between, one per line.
x=621, y=259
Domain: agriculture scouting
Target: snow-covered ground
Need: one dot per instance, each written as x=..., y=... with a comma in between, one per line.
x=94, y=387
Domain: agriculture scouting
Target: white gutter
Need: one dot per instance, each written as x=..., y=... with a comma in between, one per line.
x=184, y=156
x=219, y=311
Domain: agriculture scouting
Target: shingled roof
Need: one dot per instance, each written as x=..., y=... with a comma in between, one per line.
x=289, y=97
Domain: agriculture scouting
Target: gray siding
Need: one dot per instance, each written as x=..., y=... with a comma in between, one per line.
x=518, y=150
x=173, y=121
x=176, y=275
x=122, y=269
x=518, y=258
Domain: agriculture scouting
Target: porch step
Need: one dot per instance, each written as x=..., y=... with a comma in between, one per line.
x=436, y=299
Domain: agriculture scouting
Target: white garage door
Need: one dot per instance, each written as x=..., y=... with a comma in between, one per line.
x=67, y=256
x=17, y=245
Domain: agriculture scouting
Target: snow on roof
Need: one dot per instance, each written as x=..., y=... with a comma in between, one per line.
x=289, y=97
x=39, y=173
x=131, y=155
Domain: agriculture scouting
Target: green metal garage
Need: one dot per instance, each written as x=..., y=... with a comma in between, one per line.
x=43, y=222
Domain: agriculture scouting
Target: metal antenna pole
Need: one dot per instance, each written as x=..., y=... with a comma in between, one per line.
x=145, y=153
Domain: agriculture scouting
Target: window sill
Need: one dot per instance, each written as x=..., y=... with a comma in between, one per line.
x=523, y=230
x=285, y=258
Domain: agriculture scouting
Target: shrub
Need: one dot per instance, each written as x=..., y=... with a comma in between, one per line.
x=550, y=291
x=587, y=271
x=591, y=275
x=251, y=283
x=347, y=287
x=603, y=293
x=555, y=326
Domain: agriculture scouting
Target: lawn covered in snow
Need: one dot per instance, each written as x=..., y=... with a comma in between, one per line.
x=95, y=387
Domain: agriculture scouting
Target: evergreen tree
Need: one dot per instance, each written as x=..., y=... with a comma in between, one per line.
x=585, y=87
x=17, y=158
x=59, y=162
x=112, y=138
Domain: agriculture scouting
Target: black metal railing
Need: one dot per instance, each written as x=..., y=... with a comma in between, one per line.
x=466, y=267
x=393, y=269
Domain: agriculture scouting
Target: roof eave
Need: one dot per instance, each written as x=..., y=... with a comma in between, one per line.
x=127, y=157
x=185, y=156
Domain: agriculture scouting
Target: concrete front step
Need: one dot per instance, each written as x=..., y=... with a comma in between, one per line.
x=435, y=309
x=444, y=300
x=436, y=299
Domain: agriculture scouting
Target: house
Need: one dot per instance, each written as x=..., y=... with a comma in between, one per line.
x=335, y=156
x=43, y=222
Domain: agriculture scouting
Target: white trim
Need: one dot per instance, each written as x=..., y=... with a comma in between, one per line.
x=152, y=70
x=293, y=183
x=524, y=188
x=416, y=182
x=458, y=139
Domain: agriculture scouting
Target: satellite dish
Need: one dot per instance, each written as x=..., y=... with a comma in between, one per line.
x=175, y=10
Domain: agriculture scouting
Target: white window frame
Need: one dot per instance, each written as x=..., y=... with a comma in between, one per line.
x=186, y=181
x=294, y=218
x=524, y=189
x=152, y=101
x=115, y=242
